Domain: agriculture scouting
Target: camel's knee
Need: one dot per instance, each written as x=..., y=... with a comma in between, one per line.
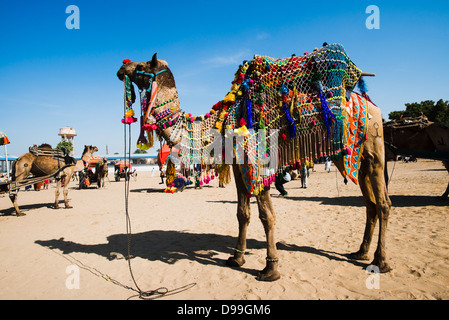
x=384, y=209
x=268, y=220
x=243, y=216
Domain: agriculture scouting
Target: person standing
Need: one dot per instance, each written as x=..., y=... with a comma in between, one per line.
x=327, y=165
x=304, y=176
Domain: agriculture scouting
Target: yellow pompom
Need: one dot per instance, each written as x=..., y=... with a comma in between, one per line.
x=230, y=97
x=129, y=113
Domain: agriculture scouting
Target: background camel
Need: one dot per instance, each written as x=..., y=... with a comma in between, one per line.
x=101, y=172
x=371, y=175
x=41, y=165
x=417, y=137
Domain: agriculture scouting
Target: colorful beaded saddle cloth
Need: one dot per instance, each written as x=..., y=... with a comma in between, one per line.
x=305, y=101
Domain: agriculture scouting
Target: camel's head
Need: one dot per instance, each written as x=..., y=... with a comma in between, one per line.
x=90, y=149
x=141, y=74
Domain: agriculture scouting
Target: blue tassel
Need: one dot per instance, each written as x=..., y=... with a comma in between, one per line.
x=362, y=86
x=284, y=91
x=249, y=113
x=327, y=113
x=291, y=123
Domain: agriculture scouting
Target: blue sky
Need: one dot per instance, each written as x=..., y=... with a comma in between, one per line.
x=52, y=77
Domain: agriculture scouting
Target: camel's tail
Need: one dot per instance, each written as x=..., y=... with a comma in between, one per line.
x=13, y=171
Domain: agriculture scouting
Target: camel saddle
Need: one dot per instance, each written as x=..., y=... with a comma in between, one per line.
x=55, y=153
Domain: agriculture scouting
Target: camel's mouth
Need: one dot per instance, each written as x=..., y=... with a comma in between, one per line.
x=121, y=73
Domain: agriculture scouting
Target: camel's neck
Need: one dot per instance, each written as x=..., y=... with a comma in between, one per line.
x=86, y=156
x=167, y=98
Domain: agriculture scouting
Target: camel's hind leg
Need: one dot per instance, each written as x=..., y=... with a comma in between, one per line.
x=446, y=193
x=268, y=218
x=383, y=205
x=22, y=168
x=243, y=217
x=371, y=211
x=65, y=190
x=371, y=217
x=57, y=192
x=13, y=197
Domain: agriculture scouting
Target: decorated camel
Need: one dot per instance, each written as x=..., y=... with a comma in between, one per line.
x=418, y=137
x=307, y=105
x=42, y=161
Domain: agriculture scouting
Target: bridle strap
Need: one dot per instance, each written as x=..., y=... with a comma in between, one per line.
x=152, y=76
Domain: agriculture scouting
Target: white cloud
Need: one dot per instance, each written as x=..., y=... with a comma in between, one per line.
x=234, y=59
x=262, y=36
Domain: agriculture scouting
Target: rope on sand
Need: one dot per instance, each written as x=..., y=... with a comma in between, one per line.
x=149, y=294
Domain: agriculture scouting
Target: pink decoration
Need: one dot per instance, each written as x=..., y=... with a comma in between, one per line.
x=348, y=151
x=129, y=120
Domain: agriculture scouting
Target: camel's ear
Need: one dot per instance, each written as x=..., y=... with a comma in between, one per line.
x=153, y=62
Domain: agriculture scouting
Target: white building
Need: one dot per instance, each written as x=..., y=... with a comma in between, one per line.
x=68, y=134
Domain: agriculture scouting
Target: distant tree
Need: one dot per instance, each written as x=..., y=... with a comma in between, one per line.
x=435, y=112
x=395, y=115
x=65, y=146
x=139, y=151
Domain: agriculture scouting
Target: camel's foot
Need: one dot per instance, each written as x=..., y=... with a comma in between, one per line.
x=359, y=255
x=383, y=266
x=56, y=206
x=68, y=206
x=269, y=273
x=236, y=261
x=20, y=214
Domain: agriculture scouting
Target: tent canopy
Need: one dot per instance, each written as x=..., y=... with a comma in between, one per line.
x=3, y=139
x=163, y=154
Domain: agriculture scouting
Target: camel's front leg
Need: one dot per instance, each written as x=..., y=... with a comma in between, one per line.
x=268, y=218
x=58, y=186
x=66, y=191
x=243, y=217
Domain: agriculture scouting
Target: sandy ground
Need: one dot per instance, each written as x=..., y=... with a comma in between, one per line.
x=181, y=241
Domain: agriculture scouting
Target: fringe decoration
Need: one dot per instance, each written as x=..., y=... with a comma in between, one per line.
x=171, y=172
x=224, y=173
